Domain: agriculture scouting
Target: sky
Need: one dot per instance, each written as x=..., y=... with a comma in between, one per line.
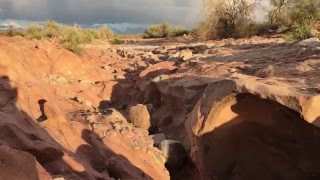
x=121, y=15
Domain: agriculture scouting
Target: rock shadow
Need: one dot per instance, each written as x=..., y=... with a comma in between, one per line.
x=266, y=140
x=20, y=132
x=103, y=160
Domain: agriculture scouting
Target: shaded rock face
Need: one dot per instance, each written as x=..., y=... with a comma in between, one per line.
x=173, y=99
x=122, y=169
x=239, y=135
x=158, y=138
x=174, y=153
x=16, y=164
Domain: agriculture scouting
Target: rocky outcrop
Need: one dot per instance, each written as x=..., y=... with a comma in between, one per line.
x=232, y=109
x=55, y=105
x=243, y=120
x=117, y=143
x=172, y=99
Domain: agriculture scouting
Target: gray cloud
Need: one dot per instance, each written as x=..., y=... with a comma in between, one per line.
x=184, y=12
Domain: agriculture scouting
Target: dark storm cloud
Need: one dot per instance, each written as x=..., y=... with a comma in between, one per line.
x=88, y=12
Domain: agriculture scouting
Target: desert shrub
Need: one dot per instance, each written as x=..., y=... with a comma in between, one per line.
x=18, y=32
x=178, y=31
x=13, y=32
x=35, y=32
x=117, y=40
x=206, y=29
x=300, y=31
x=291, y=12
x=52, y=29
x=279, y=12
x=164, y=30
x=104, y=33
x=227, y=19
x=93, y=34
x=297, y=17
x=245, y=29
x=157, y=31
x=73, y=46
x=74, y=37
x=302, y=11
x=86, y=36
x=70, y=37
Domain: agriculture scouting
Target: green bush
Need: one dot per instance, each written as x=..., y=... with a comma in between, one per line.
x=164, y=30
x=290, y=12
x=157, y=31
x=178, y=31
x=52, y=29
x=300, y=31
x=35, y=32
x=296, y=17
x=73, y=38
x=117, y=40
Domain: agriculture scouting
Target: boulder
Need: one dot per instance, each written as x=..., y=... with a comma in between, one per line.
x=174, y=153
x=158, y=138
x=185, y=55
x=265, y=72
x=150, y=58
x=237, y=123
x=311, y=42
x=139, y=116
x=160, y=78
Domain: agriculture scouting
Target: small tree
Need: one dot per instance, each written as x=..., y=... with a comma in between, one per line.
x=11, y=30
x=224, y=17
x=304, y=9
x=165, y=29
x=297, y=16
x=278, y=11
x=291, y=12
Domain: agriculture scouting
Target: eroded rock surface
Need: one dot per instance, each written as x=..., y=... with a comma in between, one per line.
x=56, y=105
x=241, y=109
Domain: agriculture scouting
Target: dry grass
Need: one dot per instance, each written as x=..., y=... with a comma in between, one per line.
x=71, y=37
